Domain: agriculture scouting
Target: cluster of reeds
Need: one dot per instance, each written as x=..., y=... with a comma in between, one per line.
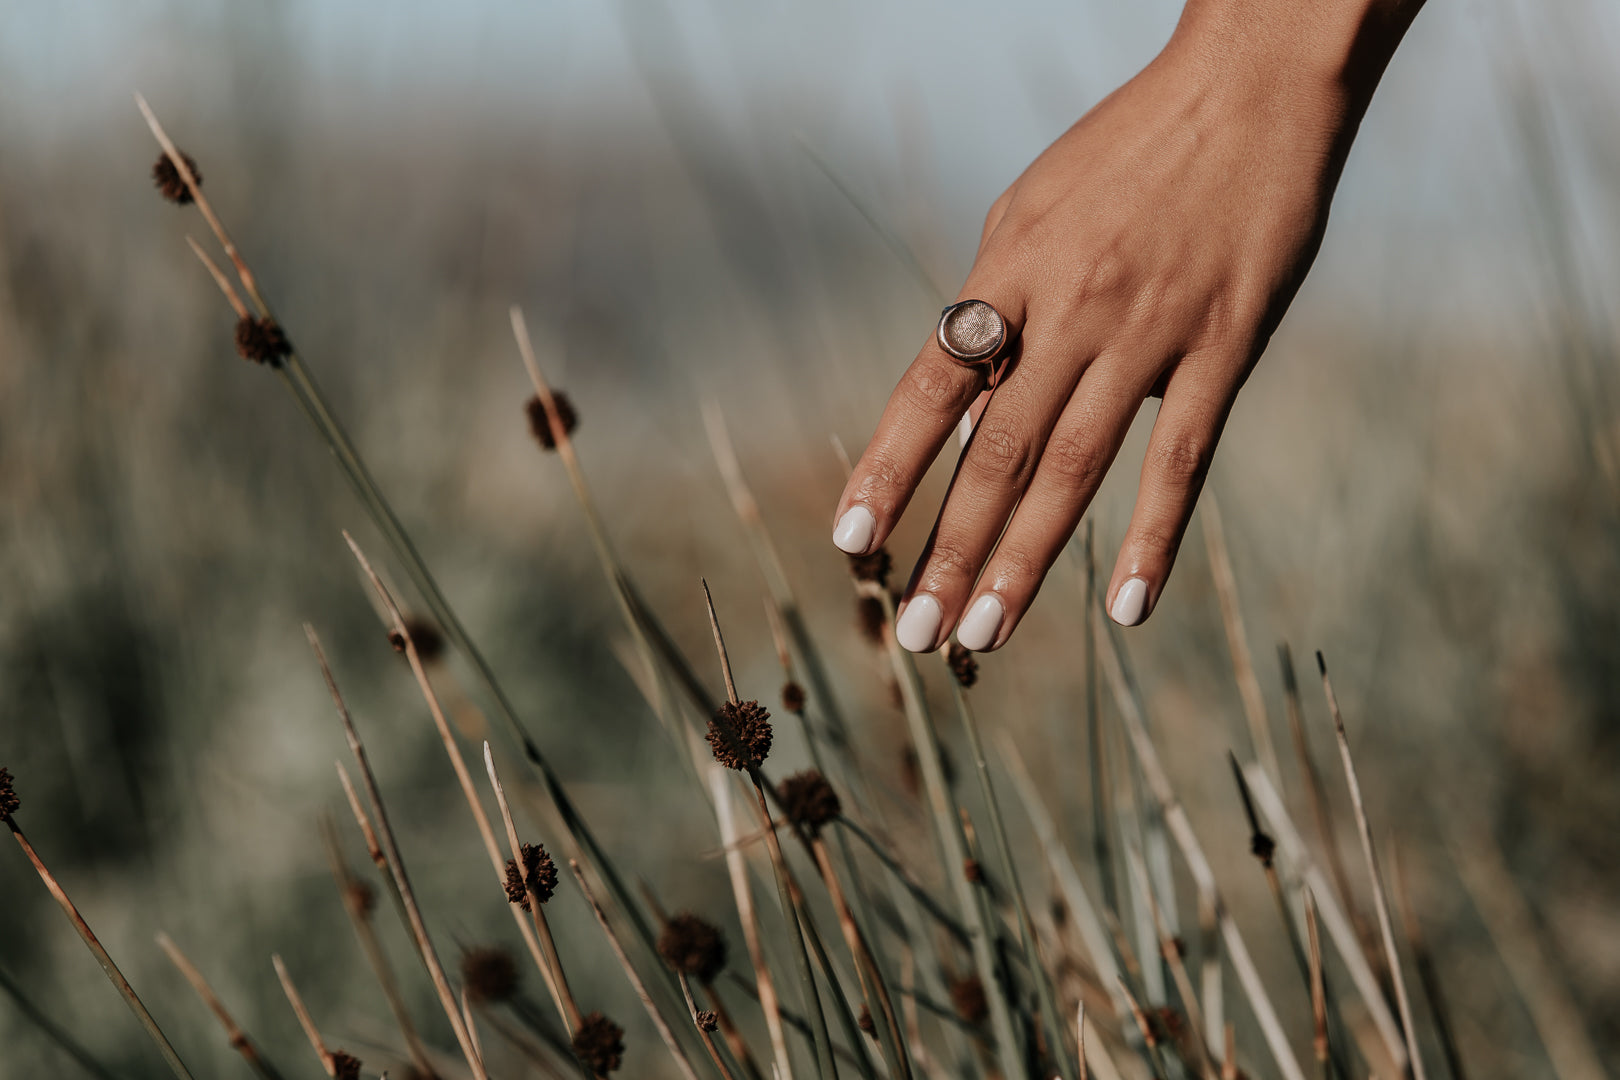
x=883, y=963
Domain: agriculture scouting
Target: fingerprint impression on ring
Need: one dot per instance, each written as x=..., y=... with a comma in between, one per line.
x=972, y=331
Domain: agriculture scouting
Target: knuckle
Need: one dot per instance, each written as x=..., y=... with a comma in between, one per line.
x=1019, y=568
x=1159, y=540
x=1183, y=460
x=928, y=388
x=1000, y=455
x=949, y=558
x=1078, y=462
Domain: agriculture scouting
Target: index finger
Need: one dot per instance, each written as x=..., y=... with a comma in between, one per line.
x=921, y=414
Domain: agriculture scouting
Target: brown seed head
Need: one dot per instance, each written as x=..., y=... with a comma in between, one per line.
x=429, y=642
x=864, y=1021
x=707, y=1021
x=599, y=1043
x=489, y=974
x=809, y=800
x=540, y=426
x=792, y=697
x=693, y=947
x=744, y=727
x=967, y=994
x=169, y=182
x=963, y=666
x=870, y=618
x=972, y=870
x=9, y=803
x=874, y=567
x=261, y=341
x=1263, y=846
x=538, y=873
x=345, y=1066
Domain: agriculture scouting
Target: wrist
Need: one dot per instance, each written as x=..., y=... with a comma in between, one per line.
x=1322, y=56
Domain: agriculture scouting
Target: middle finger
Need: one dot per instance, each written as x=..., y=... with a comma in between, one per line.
x=994, y=470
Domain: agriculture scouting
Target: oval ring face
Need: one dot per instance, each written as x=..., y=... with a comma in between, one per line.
x=972, y=332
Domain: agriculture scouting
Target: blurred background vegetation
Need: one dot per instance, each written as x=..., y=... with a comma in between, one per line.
x=1420, y=479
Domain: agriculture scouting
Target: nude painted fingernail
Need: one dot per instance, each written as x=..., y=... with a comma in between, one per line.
x=855, y=530
x=1130, y=604
x=918, y=627
x=979, y=627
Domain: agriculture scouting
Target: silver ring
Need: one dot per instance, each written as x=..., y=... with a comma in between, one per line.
x=972, y=332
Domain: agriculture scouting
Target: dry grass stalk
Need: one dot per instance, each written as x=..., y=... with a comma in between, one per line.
x=472, y=1028
x=1080, y=1038
x=786, y=890
x=1175, y=817
x=1319, y=1040
x=1170, y=951
x=349, y=887
x=115, y=976
x=743, y=893
x=1102, y=827
x=1237, y=639
x=546, y=957
x=1511, y=924
x=1144, y=1026
x=1380, y=904
x=1345, y=939
x=640, y=988
x=335, y=1062
x=705, y=1024
x=1423, y=961
x=1321, y=806
x=234, y=1034
x=952, y=845
x=396, y=866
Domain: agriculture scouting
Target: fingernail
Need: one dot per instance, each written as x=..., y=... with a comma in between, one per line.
x=918, y=627
x=855, y=530
x=979, y=627
x=1130, y=605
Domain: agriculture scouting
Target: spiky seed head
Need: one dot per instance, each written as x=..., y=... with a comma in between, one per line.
x=599, y=1043
x=864, y=1021
x=170, y=184
x=693, y=946
x=973, y=871
x=792, y=697
x=740, y=735
x=345, y=1066
x=1263, y=847
x=874, y=567
x=967, y=995
x=489, y=974
x=540, y=425
x=261, y=341
x=707, y=1021
x=809, y=800
x=963, y=666
x=538, y=872
x=9, y=803
x=870, y=618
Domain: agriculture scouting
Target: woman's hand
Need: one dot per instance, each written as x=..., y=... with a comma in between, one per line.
x=1151, y=250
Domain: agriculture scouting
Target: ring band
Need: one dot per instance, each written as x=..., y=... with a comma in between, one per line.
x=972, y=332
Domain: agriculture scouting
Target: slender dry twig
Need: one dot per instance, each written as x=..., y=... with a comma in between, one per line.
x=233, y=1033
x=1380, y=904
x=93, y=943
x=1170, y=951
x=704, y=1028
x=640, y=988
x=396, y=865
x=1220, y=567
x=349, y=887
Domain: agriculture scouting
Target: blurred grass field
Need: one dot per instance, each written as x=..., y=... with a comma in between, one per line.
x=1420, y=479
